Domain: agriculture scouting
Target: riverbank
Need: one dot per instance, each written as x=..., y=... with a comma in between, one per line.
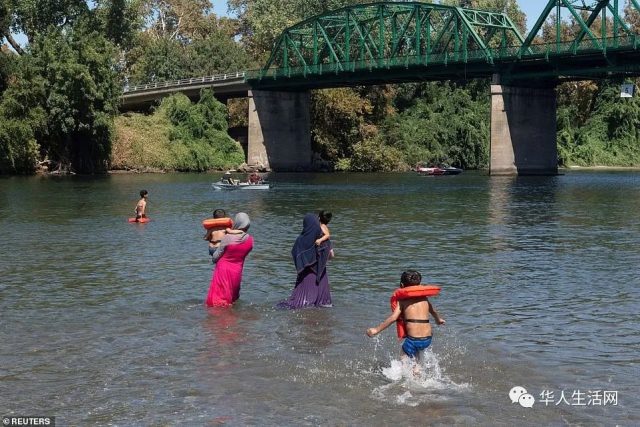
x=177, y=136
x=603, y=168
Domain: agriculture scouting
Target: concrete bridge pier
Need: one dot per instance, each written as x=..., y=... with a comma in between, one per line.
x=279, y=130
x=523, y=130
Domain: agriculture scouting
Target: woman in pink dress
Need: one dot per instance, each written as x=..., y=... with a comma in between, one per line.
x=229, y=258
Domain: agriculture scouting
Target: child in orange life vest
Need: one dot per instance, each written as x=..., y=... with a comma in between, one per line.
x=214, y=236
x=415, y=313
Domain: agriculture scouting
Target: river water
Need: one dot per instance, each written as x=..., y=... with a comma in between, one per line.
x=102, y=321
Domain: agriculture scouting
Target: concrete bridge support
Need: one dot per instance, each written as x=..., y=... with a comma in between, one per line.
x=523, y=131
x=279, y=130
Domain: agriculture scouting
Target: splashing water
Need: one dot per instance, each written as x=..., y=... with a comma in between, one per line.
x=415, y=383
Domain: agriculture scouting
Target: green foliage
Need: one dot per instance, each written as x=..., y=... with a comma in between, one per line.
x=610, y=135
x=178, y=136
x=65, y=90
x=218, y=53
x=119, y=20
x=81, y=92
x=373, y=156
x=18, y=147
x=156, y=60
x=162, y=59
x=7, y=63
x=337, y=119
x=36, y=17
x=440, y=123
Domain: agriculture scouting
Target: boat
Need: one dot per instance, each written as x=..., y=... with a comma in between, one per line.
x=423, y=169
x=220, y=185
x=254, y=182
x=450, y=170
x=437, y=170
x=429, y=170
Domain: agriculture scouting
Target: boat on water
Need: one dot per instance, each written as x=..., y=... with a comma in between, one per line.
x=254, y=182
x=437, y=170
x=240, y=186
x=450, y=170
x=429, y=170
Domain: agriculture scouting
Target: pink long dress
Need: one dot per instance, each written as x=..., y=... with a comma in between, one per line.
x=227, y=275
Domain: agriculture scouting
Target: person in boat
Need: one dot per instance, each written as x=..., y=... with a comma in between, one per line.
x=214, y=235
x=229, y=257
x=255, y=179
x=228, y=179
x=310, y=260
x=141, y=206
x=414, y=313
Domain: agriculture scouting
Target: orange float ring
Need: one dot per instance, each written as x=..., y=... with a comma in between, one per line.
x=417, y=291
x=142, y=220
x=217, y=223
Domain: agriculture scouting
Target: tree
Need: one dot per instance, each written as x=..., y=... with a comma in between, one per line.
x=218, y=53
x=176, y=19
x=35, y=17
x=156, y=60
x=120, y=20
x=65, y=94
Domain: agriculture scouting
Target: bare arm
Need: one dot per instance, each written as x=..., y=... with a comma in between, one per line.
x=326, y=235
x=436, y=316
x=384, y=325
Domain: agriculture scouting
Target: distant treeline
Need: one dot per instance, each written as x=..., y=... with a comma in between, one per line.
x=59, y=94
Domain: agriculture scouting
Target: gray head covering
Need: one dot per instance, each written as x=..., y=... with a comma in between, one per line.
x=241, y=221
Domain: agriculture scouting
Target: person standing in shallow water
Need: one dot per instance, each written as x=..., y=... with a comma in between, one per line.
x=229, y=257
x=141, y=206
x=312, y=282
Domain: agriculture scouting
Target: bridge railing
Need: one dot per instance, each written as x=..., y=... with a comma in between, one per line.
x=183, y=82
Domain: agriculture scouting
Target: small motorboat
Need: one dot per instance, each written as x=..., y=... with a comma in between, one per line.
x=254, y=182
x=429, y=170
x=450, y=170
x=220, y=185
x=437, y=170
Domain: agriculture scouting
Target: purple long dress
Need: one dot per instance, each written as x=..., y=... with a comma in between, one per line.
x=312, y=282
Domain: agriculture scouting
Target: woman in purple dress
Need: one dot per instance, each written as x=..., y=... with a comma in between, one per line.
x=312, y=283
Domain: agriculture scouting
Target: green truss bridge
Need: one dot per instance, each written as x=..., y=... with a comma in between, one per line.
x=398, y=41
x=412, y=41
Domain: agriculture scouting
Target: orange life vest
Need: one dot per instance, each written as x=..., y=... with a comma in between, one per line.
x=217, y=223
x=417, y=291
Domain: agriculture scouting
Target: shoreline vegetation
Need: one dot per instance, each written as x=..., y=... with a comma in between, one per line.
x=178, y=136
x=59, y=95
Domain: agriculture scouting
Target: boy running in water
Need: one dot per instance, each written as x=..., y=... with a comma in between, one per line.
x=415, y=312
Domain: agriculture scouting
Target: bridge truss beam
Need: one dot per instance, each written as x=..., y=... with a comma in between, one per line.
x=384, y=35
x=412, y=41
x=584, y=14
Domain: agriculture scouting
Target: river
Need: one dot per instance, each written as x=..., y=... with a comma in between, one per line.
x=103, y=322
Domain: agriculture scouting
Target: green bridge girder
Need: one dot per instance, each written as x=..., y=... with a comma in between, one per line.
x=412, y=41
